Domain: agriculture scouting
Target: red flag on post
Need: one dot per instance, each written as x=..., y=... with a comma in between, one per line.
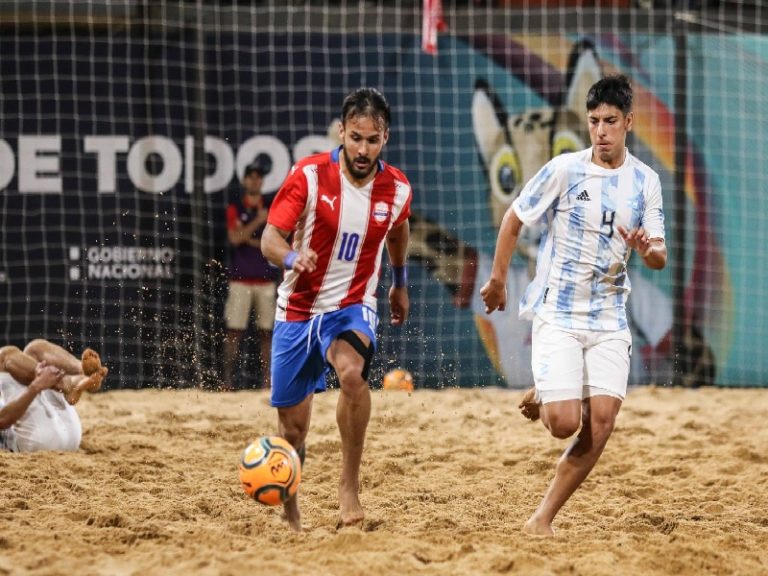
x=432, y=23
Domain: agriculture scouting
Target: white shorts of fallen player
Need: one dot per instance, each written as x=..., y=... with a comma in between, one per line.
x=576, y=364
x=50, y=423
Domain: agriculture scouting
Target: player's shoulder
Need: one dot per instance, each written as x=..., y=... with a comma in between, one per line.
x=297, y=174
x=319, y=159
x=568, y=159
x=641, y=166
x=395, y=173
x=643, y=174
x=565, y=162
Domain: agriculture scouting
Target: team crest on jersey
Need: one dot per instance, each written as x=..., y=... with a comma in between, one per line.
x=380, y=211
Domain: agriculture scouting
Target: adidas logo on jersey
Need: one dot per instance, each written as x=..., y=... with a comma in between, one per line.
x=584, y=196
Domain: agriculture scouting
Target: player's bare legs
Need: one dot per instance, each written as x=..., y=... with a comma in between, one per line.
x=599, y=417
x=23, y=368
x=85, y=374
x=353, y=412
x=19, y=365
x=53, y=354
x=77, y=384
x=293, y=425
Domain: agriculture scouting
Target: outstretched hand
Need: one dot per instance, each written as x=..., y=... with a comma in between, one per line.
x=637, y=239
x=494, y=295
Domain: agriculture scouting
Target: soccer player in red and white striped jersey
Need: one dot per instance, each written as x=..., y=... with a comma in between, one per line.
x=337, y=209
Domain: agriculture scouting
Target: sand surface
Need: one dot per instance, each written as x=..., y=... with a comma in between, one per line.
x=448, y=479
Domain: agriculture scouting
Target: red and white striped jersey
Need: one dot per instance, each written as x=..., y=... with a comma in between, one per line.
x=345, y=225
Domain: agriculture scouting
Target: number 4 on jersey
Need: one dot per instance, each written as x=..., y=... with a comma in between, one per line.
x=608, y=217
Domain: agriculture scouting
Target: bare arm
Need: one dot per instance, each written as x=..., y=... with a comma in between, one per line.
x=45, y=377
x=275, y=247
x=397, y=248
x=494, y=292
x=397, y=244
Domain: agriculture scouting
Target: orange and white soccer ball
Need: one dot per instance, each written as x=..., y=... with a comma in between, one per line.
x=270, y=470
x=398, y=379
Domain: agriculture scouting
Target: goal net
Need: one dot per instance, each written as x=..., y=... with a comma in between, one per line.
x=125, y=125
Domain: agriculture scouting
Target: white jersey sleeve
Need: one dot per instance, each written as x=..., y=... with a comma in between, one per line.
x=653, y=215
x=539, y=194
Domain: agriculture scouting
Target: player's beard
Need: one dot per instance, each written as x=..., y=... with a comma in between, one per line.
x=354, y=172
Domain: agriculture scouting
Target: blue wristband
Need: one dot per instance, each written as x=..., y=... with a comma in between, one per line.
x=289, y=259
x=399, y=276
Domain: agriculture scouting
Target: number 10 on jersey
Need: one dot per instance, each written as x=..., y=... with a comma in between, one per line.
x=348, y=248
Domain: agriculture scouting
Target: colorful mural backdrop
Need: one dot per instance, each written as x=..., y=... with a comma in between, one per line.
x=105, y=241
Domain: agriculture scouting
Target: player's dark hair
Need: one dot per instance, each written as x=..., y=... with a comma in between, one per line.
x=366, y=102
x=612, y=90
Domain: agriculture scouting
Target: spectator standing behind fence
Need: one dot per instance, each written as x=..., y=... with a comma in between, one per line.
x=251, y=278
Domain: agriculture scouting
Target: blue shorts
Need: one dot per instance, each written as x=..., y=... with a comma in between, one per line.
x=299, y=351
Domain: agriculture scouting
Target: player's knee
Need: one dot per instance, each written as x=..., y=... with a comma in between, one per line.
x=562, y=432
x=602, y=426
x=35, y=348
x=562, y=419
x=562, y=425
x=294, y=425
x=349, y=373
x=351, y=377
x=6, y=352
x=353, y=371
x=295, y=433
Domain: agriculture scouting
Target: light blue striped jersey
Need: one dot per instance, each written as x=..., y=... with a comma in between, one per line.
x=581, y=266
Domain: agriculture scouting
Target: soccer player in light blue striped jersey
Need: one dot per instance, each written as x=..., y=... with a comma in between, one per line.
x=598, y=205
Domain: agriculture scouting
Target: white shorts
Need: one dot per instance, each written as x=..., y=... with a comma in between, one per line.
x=575, y=364
x=242, y=297
x=50, y=423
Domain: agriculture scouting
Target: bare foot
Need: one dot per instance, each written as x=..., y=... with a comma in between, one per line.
x=91, y=361
x=70, y=389
x=537, y=527
x=74, y=386
x=528, y=405
x=94, y=380
x=291, y=514
x=351, y=512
